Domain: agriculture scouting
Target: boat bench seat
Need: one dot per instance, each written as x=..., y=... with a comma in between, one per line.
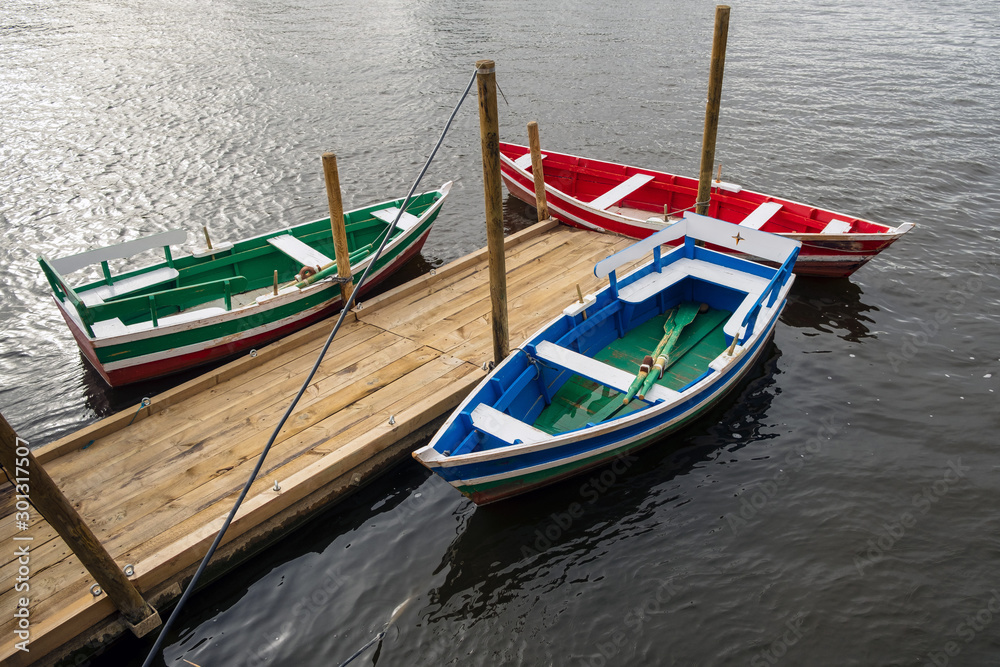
x=836, y=227
x=654, y=283
x=120, y=287
x=115, y=327
x=407, y=221
x=504, y=427
x=524, y=162
x=302, y=253
x=598, y=371
x=620, y=191
x=760, y=215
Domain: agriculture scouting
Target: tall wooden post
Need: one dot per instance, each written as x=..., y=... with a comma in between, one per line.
x=341, y=252
x=536, y=171
x=712, y=108
x=33, y=482
x=489, y=131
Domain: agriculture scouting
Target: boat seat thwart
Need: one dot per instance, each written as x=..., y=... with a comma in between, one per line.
x=620, y=191
x=655, y=282
x=598, y=371
x=407, y=221
x=836, y=227
x=524, y=162
x=760, y=215
x=500, y=425
x=299, y=251
x=123, y=286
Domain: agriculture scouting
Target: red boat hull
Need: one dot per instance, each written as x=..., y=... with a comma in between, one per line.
x=571, y=182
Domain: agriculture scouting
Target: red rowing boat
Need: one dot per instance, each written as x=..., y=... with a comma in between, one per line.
x=633, y=202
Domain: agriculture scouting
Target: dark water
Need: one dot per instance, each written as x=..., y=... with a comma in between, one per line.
x=841, y=511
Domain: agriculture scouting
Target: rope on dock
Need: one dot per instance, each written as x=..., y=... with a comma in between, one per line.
x=305, y=384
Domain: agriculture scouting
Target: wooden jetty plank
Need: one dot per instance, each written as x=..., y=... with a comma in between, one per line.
x=166, y=504
x=410, y=313
x=188, y=547
x=537, y=281
x=156, y=490
x=159, y=497
x=463, y=310
x=335, y=432
x=217, y=416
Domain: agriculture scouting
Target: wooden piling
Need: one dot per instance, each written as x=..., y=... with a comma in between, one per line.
x=536, y=171
x=340, y=248
x=489, y=130
x=34, y=484
x=712, y=107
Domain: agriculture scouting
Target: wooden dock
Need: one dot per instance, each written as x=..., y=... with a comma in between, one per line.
x=155, y=490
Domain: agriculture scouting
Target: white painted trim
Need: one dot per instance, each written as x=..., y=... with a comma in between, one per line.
x=101, y=293
x=524, y=162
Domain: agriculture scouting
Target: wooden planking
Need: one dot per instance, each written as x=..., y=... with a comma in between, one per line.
x=202, y=479
x=246, y=409
x=532, y=277
x=412, y=314
x=156, y=490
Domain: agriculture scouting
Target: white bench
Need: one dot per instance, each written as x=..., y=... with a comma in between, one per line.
x=501, y=425
x=620, y=191
x=299, y=251
x=101, y=293
x=73, y=263
x=115, y=327
x=676, y=271
x=407, y=221
x=598, y=371
x=836, y=227
x=524, y=162
x=760, y=215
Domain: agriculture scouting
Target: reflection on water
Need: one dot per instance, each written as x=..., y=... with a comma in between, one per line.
x=829, y=306
x=502, y=553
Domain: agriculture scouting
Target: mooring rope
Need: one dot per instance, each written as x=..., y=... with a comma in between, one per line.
x=340, y=320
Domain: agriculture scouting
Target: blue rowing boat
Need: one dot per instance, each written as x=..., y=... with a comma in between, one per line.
x=641, y=358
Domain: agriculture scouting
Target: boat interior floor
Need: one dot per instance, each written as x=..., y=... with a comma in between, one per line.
x=581, y=401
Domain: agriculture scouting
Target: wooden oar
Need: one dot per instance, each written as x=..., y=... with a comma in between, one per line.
x=647, y=361
x=703, y=326
x=686, y=313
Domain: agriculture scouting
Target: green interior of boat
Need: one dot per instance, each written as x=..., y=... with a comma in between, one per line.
x=235, y=276
x=581, y=401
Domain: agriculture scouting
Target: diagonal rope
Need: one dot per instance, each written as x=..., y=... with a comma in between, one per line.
x=340, y=320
